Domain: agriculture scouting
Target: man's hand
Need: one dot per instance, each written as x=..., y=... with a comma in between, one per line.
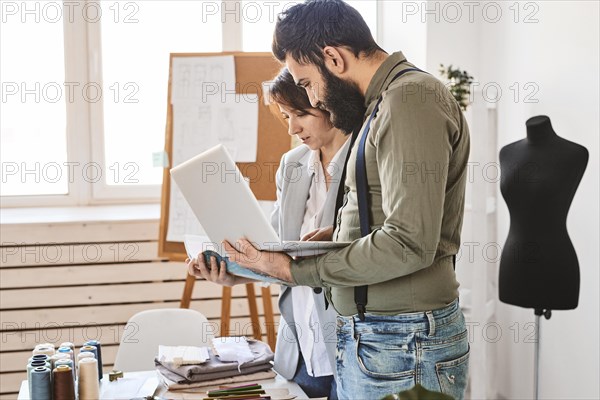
x=214, y=272
x=273, y=264
x=319, y=235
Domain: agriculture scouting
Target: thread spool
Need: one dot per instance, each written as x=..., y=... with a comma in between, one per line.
x=88, y=385
x=63, y=384
x=56, y=357
x=40, y=384
x=32, y=365
x=69, y=345
x=68, y=363
x=81, y=356
x=38, y=357
x=94, y=350
x=98, y=346
x=66, y=350
x=84, y=354
x=44, y=345
x=49, y=351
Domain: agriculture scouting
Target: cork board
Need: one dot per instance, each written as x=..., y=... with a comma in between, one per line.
x=251, y=69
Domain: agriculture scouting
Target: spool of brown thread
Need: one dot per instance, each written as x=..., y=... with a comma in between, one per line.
x=63, y=383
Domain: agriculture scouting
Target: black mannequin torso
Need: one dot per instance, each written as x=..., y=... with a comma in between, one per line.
x=540, y=174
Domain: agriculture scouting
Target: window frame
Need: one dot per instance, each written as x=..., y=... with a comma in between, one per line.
x=85, y=120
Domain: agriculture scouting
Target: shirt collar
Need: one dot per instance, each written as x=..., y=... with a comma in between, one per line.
x=314, y=161
x=383, y=76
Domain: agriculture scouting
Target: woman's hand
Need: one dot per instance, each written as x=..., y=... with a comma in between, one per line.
x=214, y=272
x=319, y=235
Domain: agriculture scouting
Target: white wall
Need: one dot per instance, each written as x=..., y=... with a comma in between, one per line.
x=554, y=59
x=559, y=55
x=401, y=29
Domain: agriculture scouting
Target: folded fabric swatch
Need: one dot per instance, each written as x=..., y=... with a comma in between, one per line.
x=204, y=386
x=214, y=368
x=234, y=348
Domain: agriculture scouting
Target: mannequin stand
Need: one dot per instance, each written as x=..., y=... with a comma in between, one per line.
x=536, y=352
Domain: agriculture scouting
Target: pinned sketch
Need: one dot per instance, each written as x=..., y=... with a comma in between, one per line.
x=235, y=125
x=207, y=111
x=204, y=79
x=198, y=127
x=182, y=219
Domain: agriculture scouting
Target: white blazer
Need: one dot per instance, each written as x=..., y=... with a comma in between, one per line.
x=293, y=183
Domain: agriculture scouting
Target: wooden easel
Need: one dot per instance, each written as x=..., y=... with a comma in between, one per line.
x=251, y=69
x=226, y=309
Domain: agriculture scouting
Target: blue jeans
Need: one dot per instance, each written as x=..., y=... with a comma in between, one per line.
x=388, y=354
x=323, y=386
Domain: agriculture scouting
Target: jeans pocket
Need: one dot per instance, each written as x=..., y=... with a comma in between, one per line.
x=452, y=376
x=386, y=356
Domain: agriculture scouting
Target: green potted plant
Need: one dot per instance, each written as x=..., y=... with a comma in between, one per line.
x=459, y=84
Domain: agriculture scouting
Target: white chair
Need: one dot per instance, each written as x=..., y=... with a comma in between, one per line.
x=146, y=330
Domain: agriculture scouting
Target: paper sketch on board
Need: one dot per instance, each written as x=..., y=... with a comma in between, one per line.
x=207, y=111
x=203, y=79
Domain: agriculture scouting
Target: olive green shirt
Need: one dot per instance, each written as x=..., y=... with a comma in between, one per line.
x=416, y=159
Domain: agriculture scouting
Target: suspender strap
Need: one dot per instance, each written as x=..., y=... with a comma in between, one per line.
x=339, y=201
x=340, y=195
x=360, y=292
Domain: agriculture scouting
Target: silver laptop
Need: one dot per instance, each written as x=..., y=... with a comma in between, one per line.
x=226, y=208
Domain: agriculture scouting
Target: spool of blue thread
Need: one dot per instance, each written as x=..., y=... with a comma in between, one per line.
x=68, y=363
x=98, y=346
x=38, y=357
x=67, y=350
x=34, y=364
x=40, y=384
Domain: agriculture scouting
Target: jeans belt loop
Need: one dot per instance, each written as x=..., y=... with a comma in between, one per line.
x=431, y=320
x=354, y=335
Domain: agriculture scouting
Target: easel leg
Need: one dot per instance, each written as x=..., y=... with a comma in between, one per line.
x=225, y=310
x=187, y=291
x=256, y=333
x=269, y=318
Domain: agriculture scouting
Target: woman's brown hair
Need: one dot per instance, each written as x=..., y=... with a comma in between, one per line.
x=284, y=91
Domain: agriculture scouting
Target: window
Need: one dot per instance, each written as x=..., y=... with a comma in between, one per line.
x=34, y=97
x=84, y=89
x=136, y=41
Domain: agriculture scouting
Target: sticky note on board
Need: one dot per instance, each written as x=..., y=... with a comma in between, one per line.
x=266, y=88
x=160, y=159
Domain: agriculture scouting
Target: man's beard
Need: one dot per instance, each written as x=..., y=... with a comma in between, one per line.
x=344, y=102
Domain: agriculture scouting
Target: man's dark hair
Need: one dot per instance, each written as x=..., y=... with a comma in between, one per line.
x=302, y=31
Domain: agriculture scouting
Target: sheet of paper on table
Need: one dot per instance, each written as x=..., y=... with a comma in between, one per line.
x=129, y=387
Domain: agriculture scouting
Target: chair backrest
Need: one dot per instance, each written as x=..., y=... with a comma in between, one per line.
x=146, y=330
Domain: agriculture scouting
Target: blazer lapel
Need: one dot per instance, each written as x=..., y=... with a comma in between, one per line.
x=294, y=201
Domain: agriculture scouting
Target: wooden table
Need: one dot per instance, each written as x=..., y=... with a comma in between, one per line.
x=147, y=381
